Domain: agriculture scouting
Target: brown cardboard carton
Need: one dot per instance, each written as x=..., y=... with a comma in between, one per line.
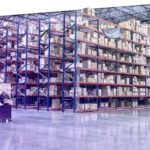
x=104, y=105
x=112, y=104
x=81, y=106
x=9, y=101
x=135, y=104
x=56, y=103
x=93, y=106
x=87, y=107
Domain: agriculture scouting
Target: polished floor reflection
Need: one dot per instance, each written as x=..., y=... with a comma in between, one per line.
x=119, y=130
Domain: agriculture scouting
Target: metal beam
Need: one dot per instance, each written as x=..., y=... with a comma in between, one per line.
x=132, y=15
x=112, y=16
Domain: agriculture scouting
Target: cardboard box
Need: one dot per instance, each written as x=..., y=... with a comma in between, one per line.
x=56, y=103
x=87, y=106
x=112, y=104
x=93, y=106
x=122, y=104
x=104, y=105
x=81, y=107
x=135, y=104
x=5, y=87
x=9, y=101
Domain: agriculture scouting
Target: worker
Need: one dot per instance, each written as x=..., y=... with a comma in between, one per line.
x=3, y=96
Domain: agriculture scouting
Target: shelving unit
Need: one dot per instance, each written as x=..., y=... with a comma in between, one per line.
x=44, y=71
x=57, y=64
x=3, y=54
x=21, y=68
x=46, y=64
x=69, y=68
x=8, y=41
x=96, y=99
x=8, y=44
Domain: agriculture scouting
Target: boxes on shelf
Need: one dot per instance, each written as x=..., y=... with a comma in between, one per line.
x=123, y=80
x=128, y=104
x=112, y=104
x=53, y=90
x=92, y=78
x=87, y=106
x=142, y=91
x=93, y=106
x=135, y=103
x=5, y=87
x=121, y=103
x=83, y=48
x=108, y=91
x=135, y=25
x=135, y=91
x=83, y=77
x=81, y=107
x=104, y=105
x=126, y=35
x=124, y=91
x=89, y=11
x=56, y=104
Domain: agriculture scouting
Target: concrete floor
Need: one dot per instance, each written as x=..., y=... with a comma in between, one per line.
x=32, y=130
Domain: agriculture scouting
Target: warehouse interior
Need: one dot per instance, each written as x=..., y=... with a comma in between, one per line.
x=83, y=75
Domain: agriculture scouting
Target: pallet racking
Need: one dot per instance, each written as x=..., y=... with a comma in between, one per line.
x=44, y=61
x=46, y=67
x=69, y=50
x=40, y=43
x=96, y=98
x=8, y=42
x=3, y=55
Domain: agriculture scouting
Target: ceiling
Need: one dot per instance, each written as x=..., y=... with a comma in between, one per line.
x=120, y=14
x=112, y=14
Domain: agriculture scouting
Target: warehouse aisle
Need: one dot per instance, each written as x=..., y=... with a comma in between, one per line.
x=32, y=130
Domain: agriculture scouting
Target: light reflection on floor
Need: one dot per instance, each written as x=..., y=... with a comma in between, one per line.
x=113, y=130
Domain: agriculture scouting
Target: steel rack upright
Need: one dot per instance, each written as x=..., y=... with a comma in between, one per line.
x=49, y=58
x=69, y=69
x=21, y=69
x=27, y=62
x=44, y=70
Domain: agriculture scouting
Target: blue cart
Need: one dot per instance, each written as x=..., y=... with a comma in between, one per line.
x=5, y=113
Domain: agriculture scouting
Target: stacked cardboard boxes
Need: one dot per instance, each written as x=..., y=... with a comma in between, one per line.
x=89, y=11
x=123, y=80
x=56, y=104
x=5, y=87
x=135, y=25
x=104, y=53
x=87, y=106
x=108, y=91
x=124, y=91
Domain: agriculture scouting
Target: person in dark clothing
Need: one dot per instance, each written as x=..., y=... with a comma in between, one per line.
x=3, y=96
